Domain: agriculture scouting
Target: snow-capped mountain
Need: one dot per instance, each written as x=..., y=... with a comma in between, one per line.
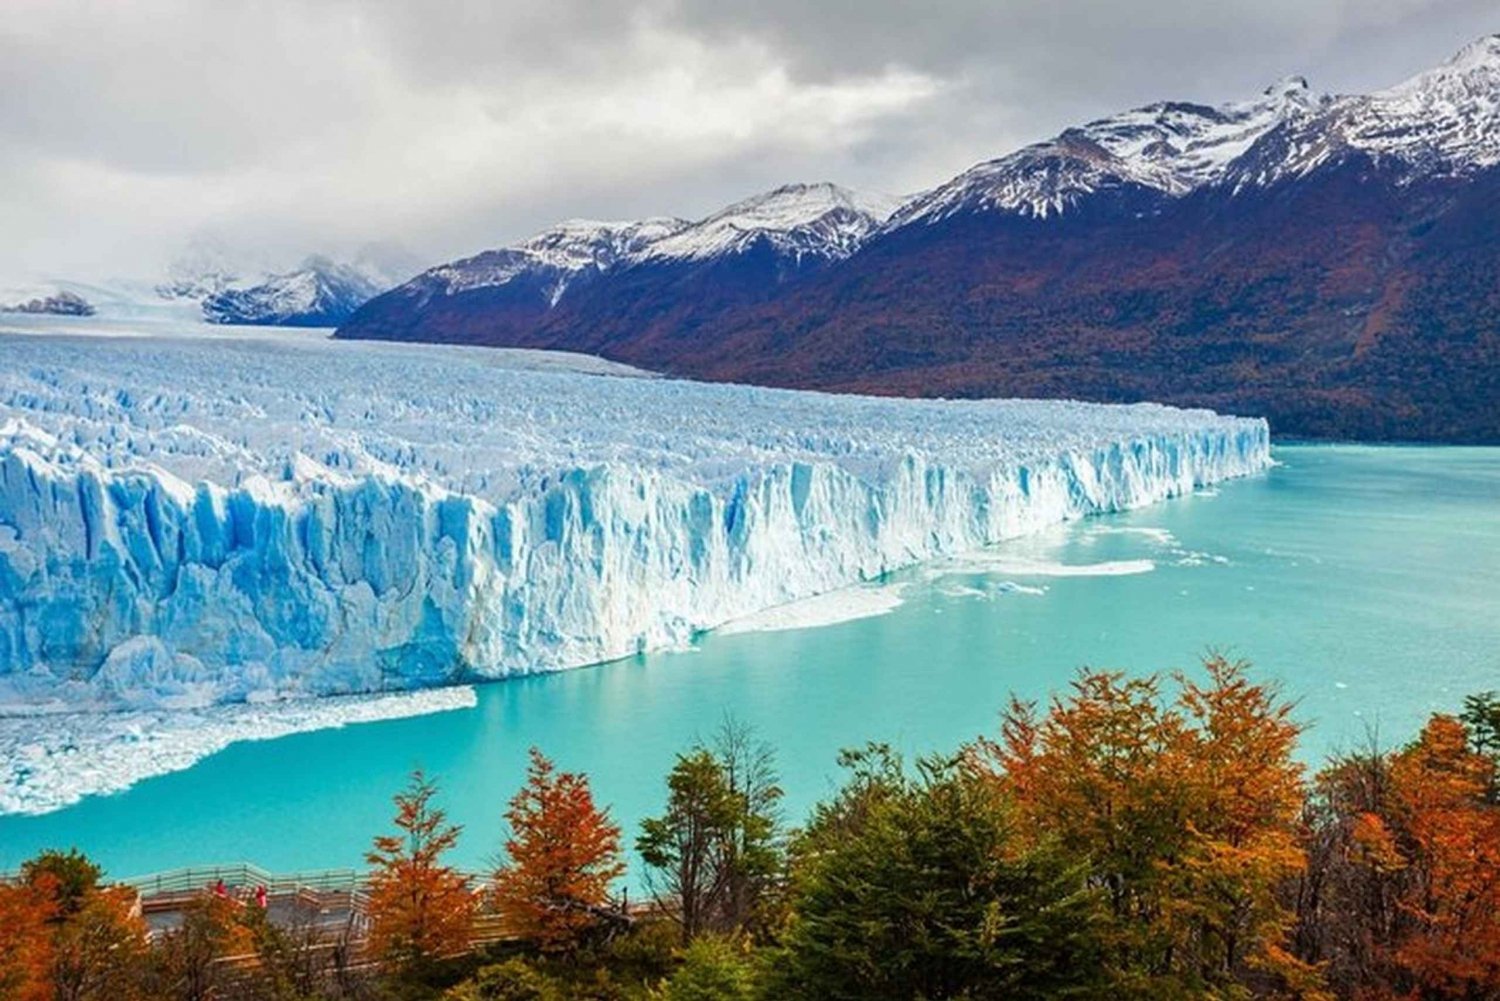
x=797, y=222
x=321, y=293
x=1445, y=121
x=820, y=222
x=1326, y=260
x=550, y=261
x=746, y=250
x=1166, y=149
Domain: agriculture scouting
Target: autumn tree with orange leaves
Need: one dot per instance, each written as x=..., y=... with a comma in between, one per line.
x=564, y=853
x=1184, y=811
x=1406, y=877
x=420, y=909
x=26, y=914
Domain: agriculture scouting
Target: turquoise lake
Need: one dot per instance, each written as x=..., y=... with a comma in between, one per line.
x=1365, y=580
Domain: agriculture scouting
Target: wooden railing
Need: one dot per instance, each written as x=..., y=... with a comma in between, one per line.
x=240, y=875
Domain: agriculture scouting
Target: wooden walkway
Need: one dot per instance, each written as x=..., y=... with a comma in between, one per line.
x=335, y=901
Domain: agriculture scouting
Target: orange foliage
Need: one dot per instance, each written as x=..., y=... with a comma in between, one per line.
x=419, y=908
x=25, y=942
x=564, y=854
x=1451, y=836
x=98, y=949
x=1185, y=813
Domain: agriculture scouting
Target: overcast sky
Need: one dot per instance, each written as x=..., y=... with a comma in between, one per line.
x=133, y=129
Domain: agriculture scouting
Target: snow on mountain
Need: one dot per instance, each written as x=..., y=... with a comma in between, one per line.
x=821, y=221
x=1168, y=148
x=321, y=293
x=551, y=260
x=1444, y=121
x=193, y=523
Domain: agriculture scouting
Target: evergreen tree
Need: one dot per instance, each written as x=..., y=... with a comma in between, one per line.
x=920, y=888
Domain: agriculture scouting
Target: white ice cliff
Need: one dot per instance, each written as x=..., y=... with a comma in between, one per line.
x=188, y=522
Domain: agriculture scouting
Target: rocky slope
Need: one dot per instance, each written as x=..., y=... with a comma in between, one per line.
x=1327, y=261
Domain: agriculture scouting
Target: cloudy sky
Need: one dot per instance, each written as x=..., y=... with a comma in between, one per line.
x=131, y=130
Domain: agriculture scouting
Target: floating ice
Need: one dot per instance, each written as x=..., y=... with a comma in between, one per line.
x=845, y=605
x=50, y=761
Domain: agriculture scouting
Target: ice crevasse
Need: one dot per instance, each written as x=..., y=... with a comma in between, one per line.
x=185, y=523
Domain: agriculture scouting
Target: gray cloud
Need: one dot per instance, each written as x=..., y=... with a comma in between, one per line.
x=130, y=127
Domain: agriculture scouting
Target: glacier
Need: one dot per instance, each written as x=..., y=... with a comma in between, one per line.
x=188, y=522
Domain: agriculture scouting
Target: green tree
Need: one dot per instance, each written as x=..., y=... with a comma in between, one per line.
x=1481, y=716
x=513, y=980
x=717, y=849
x=70, y=876
x=753, y=846
x=683, y=848
x=926, y=892
x=713, y=969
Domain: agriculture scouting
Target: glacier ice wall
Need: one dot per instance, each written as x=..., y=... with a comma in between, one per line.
x=188, y=523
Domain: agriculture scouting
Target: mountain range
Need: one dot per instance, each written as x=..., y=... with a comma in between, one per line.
x=1329, y=262
x=320, y=292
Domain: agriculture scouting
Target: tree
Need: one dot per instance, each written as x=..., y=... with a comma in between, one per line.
x=99, y=950
x=420, y=909
x=717, y=848
x=713, y=969
x=188, y=958
x=1406, y=870
x=1186, y=813
x=1481, y=716
x=95, y=941
x=71, y=875
x=564, y=854
x=683, y=848
x=929, y=889
x=26, y=913
x=513, y=980
x=752, y=848
x=1447, y=832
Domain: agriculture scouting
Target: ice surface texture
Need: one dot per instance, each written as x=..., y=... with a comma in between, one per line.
x=185, y=523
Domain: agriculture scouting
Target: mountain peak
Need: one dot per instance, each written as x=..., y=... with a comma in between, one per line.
x=1480, y=53
x=820, y=220
x=1289, y=88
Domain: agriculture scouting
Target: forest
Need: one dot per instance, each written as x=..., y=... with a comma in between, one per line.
x=1133, y=837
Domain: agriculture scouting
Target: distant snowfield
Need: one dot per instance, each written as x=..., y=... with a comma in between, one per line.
x=168, y=322
x=196, y=518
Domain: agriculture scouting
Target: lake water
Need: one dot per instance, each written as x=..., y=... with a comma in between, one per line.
x=1365, y=580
